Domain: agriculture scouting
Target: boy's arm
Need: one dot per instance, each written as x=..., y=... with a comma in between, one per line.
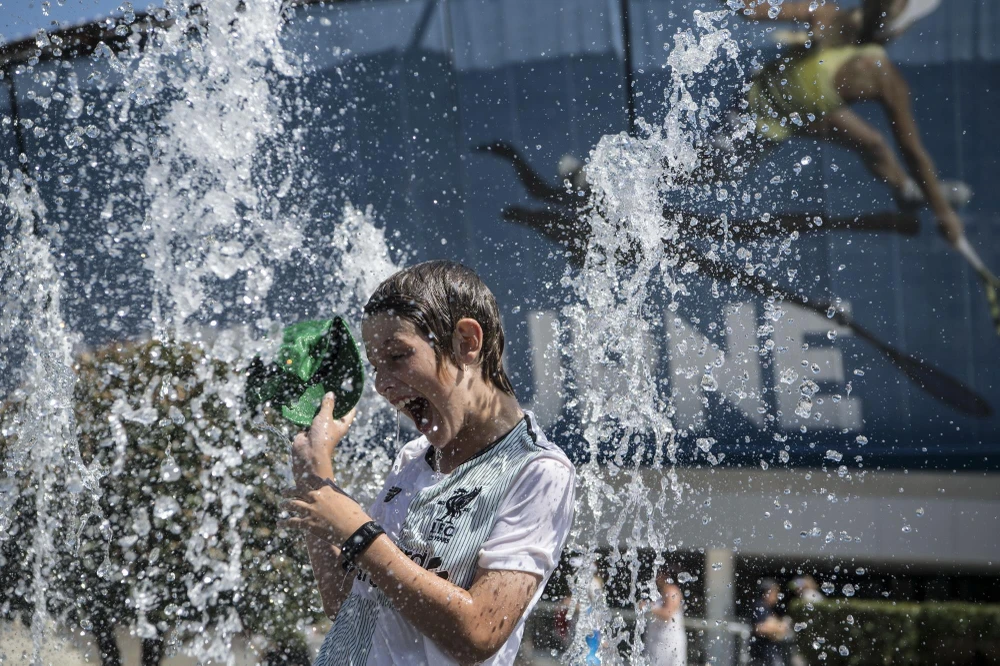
x=469, y=625
x=334, y=583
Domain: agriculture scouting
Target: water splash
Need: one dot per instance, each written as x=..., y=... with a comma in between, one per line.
x=211, y=190
x=220, y=173
x=43, y=457
x=637, y=257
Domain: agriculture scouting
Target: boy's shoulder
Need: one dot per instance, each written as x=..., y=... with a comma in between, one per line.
x=544, y=448
x=415, y=449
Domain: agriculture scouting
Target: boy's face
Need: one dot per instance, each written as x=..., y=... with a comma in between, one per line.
x=408, y=376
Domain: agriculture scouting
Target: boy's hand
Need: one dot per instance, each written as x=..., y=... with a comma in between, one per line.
x=312, y=452
x=322, y=510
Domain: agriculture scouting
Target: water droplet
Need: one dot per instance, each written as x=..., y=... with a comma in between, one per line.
x=803, y=408
x=165, y=506
x=169, y=469
x=106, y=568
x=848, y=590
x=788, y=376
x=709, y=383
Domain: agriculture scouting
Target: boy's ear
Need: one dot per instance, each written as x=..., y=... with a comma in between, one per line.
x=467, y=341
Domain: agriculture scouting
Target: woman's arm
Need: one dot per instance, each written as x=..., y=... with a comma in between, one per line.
x=800, y=12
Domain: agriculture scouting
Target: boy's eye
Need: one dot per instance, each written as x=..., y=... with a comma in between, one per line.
x=397, y=354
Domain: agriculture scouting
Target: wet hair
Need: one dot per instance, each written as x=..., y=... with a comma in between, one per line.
x=435, y=295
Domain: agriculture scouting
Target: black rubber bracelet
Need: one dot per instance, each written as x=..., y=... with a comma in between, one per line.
x=358, y=542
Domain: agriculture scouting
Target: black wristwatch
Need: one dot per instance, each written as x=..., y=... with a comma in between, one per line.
x=358, y=542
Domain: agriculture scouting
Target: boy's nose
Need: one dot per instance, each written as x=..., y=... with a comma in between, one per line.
x=382, y=383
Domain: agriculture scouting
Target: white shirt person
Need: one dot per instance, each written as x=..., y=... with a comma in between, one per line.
x=475, y=512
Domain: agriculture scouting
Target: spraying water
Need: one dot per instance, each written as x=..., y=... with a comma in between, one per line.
x=215, y=197
x=210, y=193
x=638, y=282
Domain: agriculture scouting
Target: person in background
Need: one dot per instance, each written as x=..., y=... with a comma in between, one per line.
x=771, y=631
x=666, y=640
x=595, y=599
x=807, y=589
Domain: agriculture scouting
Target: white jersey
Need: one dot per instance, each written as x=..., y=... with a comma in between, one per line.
x=666, y=641
x=508, y=508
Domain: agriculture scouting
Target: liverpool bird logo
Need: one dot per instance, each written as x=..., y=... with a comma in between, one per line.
x=460, y=499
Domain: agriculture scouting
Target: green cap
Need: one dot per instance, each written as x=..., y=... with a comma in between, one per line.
x=315, y=357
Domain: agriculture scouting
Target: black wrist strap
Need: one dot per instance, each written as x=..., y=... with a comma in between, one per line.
x=358, y=542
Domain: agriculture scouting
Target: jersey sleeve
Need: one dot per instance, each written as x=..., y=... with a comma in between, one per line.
x=533, y=520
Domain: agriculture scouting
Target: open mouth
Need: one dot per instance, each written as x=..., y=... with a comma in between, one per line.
x=418, y=409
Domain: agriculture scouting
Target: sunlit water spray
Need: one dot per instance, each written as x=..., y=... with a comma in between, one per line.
x=45, y=450
x=637, y=282
x=220, y=201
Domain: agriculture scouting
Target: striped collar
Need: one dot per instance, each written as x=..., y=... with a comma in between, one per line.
x=525, y=422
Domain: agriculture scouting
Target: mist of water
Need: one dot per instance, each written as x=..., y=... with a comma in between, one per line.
x=636, y=286
x=214, y=195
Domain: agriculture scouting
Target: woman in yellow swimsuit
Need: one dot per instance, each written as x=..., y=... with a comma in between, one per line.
x=809, y=92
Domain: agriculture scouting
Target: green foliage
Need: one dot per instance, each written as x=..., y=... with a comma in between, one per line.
x=883, y=633
x=188, y=495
